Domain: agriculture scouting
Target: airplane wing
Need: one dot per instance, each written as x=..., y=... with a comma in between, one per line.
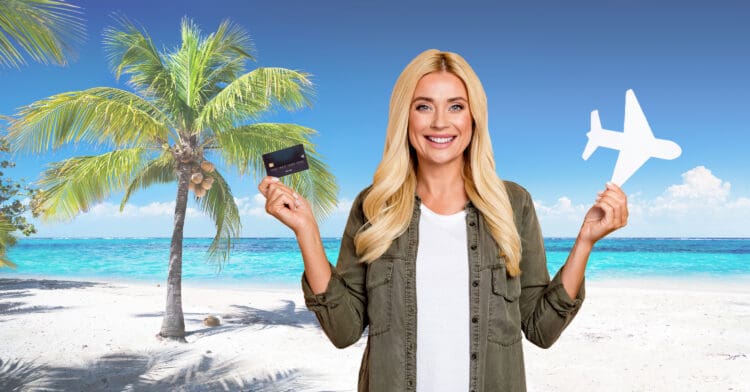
x=628, y=161
x=636, y=125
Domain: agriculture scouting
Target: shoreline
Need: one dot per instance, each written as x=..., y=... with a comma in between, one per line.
x=70, y=334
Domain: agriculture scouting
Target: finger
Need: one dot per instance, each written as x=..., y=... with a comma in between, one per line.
x=614, y=187
x=280, y=201
x=275, y=192
x=616, y=193
x=620, y=202
x=274, y=187
x=618, y=214
x=265, y=184
x=606, y=206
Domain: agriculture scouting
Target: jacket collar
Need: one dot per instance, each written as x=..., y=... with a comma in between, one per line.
x=418, y=202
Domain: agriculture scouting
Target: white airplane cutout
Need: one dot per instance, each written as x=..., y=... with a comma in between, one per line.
x=636, y=143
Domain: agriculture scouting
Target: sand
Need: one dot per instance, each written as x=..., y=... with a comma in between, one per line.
x=637, y=335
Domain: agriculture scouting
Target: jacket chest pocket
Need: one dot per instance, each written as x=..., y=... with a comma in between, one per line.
x=505, y=314
x=379, y=296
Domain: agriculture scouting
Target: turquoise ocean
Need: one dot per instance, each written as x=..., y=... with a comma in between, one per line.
x=277, y=261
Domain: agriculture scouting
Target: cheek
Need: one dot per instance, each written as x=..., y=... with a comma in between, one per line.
x=412, y=136
x=467, y=124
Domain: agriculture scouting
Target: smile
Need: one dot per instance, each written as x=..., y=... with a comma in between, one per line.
x=440, y=140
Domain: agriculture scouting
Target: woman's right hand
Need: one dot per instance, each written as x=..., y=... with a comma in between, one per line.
x=286, y=205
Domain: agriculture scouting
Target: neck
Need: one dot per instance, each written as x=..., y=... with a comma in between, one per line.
x=442, y=189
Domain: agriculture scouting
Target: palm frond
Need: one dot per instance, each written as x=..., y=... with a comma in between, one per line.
x=159, y=171
x=225, y=53
x=131, y=51
x=73, y=185
x=243, y=147
x=187, y=75
x=46, y=30
x=252, y=94
x=6, y=241
x=102, y=115
x=219, y=204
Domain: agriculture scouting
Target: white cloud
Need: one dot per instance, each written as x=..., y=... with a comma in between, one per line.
x=702, y=205
x=699, y=190
x=559, y=219
x=255, y=206
x=563, y=208
x=154, y=209
x=252, y=206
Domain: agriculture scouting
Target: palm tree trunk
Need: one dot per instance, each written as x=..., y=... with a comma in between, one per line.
x=173, y=325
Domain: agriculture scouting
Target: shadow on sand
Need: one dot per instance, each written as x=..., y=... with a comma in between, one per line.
x=138, y=372
x=247, y=316
x=19, y=288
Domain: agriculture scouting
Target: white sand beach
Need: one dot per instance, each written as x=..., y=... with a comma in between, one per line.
x=643, y=335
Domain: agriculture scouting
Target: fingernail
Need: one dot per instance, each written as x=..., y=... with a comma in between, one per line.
x=297, y=203
x=296, y=196
x=275, y=179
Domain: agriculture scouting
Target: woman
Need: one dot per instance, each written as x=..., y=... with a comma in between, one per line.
x=439, y=232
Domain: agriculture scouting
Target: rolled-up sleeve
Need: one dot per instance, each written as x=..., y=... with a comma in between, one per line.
x=341, y=309
x=546, y=308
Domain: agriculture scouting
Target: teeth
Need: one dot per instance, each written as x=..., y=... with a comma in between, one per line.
x=440, y=139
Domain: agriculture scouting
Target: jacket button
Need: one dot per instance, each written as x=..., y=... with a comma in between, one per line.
x=473, y=247
x=474, y=319
x=473, y=355
x=475, y=283
x=472, y=223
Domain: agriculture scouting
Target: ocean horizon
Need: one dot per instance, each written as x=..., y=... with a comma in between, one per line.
x=277, y=260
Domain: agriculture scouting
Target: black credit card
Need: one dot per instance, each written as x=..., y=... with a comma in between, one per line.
x=287, y=161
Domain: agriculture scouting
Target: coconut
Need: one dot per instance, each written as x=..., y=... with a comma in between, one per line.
x=196, y=178
x=208, y=167
x=191, y=186
x=207, y=184
x=199, y=192
x=211, y=321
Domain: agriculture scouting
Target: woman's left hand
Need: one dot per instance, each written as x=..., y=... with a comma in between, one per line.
x=609, y=213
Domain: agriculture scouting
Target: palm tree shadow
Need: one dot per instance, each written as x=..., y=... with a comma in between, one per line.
x=148, y=373
x=288, y=314
x=247, y=316
x=17, y=375
x=19, y=288
x=44, y=284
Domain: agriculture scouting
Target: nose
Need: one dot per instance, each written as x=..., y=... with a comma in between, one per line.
x=438, y=120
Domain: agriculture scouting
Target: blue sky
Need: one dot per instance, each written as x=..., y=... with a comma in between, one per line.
x=544, y=64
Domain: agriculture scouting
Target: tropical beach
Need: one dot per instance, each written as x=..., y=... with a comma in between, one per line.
x=631, y=335
x=656, y=318
x=136, y=253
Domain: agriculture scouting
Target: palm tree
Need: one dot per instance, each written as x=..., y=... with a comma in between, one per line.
x=46, y=30
x=188, y=105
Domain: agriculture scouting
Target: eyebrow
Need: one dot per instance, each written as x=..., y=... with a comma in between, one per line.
x=454, y=99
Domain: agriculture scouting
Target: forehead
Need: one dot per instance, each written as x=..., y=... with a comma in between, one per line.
x=440, y=84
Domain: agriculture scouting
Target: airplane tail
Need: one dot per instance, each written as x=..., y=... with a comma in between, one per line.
x=596, y=125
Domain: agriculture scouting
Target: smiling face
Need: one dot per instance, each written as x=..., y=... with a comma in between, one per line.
x=440, y=122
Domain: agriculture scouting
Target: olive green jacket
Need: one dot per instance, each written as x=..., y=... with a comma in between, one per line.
x=383, y=295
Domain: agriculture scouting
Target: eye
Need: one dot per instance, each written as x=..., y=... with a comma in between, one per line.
x=421, y=107
x=456, y=107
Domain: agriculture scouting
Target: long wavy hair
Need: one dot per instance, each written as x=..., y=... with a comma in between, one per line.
x=389, y=204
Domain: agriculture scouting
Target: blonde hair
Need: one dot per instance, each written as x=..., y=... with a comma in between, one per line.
x=389, y=204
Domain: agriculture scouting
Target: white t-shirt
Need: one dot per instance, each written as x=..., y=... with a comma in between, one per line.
x=442, y=286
